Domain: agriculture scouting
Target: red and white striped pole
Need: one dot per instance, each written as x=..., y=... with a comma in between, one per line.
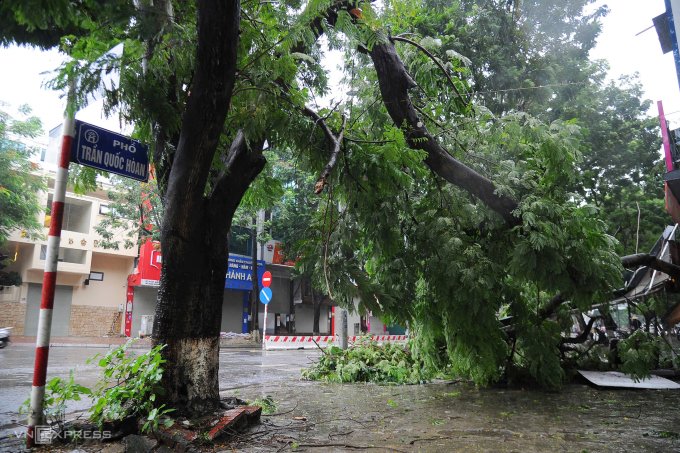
x=42, y=342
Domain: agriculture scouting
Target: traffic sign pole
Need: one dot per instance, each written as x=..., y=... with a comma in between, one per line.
x=42, y=341
x=264, y=328
x=265, y=297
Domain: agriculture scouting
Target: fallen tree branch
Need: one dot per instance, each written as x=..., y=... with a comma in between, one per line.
x=335, y=142
x=395, y=82
x=281, y=413
x=553, y=304
x=645, y=259
x=428, y=439
x=350, y=446
x=582, y=337
x=337, y=145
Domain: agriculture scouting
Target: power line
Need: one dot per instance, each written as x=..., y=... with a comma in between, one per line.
x=550, y=85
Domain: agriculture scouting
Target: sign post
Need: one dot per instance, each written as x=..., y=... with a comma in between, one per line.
x=36, y=418
x=95, y=147
x=265, y=298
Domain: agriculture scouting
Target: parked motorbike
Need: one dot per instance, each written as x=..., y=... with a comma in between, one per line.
x=4, y=336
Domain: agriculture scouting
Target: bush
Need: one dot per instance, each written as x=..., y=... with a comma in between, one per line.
x=639, y=354
x=130, y=386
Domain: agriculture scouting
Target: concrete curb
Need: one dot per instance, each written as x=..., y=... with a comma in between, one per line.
x=115, y=342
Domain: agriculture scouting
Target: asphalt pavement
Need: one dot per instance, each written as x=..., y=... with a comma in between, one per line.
x=239, y=369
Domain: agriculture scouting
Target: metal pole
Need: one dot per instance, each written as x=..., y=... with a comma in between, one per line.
x=666, y=140
x=343, y=328
x=42, y=341
x=264, y=327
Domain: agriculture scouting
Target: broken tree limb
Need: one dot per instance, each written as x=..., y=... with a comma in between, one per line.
x=582, y=337
x=549, y=309
x=645, y=259
x=394, y=82
x=335, y=145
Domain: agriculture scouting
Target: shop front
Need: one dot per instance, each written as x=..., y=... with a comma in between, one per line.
x=142, y=292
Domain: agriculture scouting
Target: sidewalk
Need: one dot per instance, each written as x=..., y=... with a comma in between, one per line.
x=88, y=342
x=110, y=342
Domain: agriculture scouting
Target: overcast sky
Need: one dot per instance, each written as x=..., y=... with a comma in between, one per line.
x=24, y=69
x=628, y=53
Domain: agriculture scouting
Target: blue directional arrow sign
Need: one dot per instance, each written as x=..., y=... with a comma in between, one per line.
x=105, y=150
x=265, y=295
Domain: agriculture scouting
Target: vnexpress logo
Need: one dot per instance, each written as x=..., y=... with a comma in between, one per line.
x=43, y=435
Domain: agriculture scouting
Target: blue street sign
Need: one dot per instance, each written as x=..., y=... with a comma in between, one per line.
x=240, y=271
x=105, y=150
x=265, y=295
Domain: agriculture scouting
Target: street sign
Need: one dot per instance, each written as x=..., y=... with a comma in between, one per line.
x=265, y=295
x=267, y=279
x=105, y=150
x=240, y=272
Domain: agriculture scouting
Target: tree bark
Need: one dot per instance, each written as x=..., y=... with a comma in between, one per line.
x=317, y=313
x=189, y=308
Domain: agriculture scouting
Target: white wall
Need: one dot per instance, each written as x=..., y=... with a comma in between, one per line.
x=144, y=304
x=304, y=319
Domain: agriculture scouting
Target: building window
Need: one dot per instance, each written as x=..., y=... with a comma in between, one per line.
x=76, y=214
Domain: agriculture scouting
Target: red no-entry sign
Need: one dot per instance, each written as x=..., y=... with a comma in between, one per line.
x=266, y=279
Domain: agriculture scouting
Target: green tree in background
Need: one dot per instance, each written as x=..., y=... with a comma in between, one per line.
x=622, y=167
x=135, y=213
x=20, y=182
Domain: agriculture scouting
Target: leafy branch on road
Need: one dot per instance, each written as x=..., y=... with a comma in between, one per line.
x=367, y=361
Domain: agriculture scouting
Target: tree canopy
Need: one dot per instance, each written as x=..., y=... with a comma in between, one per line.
x=20, y=184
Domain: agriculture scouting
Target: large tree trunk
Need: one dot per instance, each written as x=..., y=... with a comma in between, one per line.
x=194, y=235
x=189, y=308
x=645, y=259
x=188, y=316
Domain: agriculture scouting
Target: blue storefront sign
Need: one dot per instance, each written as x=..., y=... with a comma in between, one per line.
x=240, y=272
x=105, y=150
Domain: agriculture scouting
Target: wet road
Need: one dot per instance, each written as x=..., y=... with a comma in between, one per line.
x=437, y=417
x=239, y=369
